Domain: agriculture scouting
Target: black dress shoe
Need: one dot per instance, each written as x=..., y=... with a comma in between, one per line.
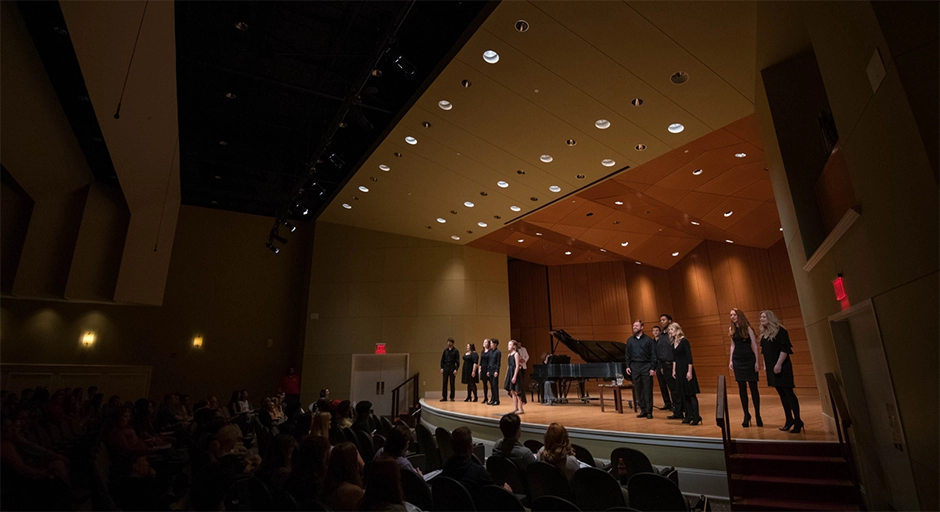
x=649, y=416
x=466, y=399
x=674, y=417
x=687, y=420
x=665, y=408
x=443, y=399
x=696, y=421
x=641, y=415
x=451, y=399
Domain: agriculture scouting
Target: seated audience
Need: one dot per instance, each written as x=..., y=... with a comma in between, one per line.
x=363, y=411
x=143, y=419
x=233, y=408
x=243, y=404
x=275, y=467
x=308, y=469
x=222, y=449
x=344, y=414
x=509, y=446
x=140, y=490
x=303, y=427
x=33, y=476
x=396, y=447
x=343, y=485
x=321, y=425
x=461, y=466
x=558, y=452
x=383, y=488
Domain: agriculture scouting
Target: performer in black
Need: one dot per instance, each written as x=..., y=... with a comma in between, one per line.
x=450, y=361
x=484, y=367
x=641, y=364
x=492, y=371
x=667, y=384
x=684, y=374
x=471, y=372
x=744, y=363
x=776, y=347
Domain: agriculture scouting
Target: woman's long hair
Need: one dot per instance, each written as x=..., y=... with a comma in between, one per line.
x=344, y=466
x=383, y=485
x=557, y=445
x=773, y=325
x=679, y=334
x=742, y=328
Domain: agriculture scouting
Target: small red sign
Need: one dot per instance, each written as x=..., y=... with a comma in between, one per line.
x=380, y=348
x=839, y=287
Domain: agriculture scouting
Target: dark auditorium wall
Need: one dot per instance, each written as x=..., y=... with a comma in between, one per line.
x=599, y=301
x=223, y=283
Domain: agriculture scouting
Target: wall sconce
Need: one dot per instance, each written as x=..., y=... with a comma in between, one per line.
x=197, y=341
x=88, y=339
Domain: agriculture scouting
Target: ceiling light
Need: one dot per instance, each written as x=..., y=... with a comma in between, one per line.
x=555, y=188
x=465, y=83
x=468, y=204
x=638, y=263
x=491, y=57
x=624, y=244
x=376, y=73
x=306, y=211
x=538, y=234
x=363, y=188
x=521, y=240
x=607, y=162
x=384, y=167
x=675, y=128
x=441, y=220
x=675, y=253
x=740, y=155
x=697, y=172
x=484, y=194
x=272, y=248
x=580, y=176
x=640, y=147
x=636, y=102
x=347, y=206
x=602, y=124
x=455, y=237
x=502, y=184
x=290, y=227
x=230, y=95
x=603, y=250
x=520, y=172
x=411, y=140
x=397, y=154
x=781, y=229
x=618, y=203
x=515, y=208
x=546, y=158
x=695, y=223
x=481, y=224
x=469, y=232
x=567, y=253
x=571, y=142
x=533, y=198
x=729, y=213
x=497, y=217
x=426, y=124
x=522, y=26
x=679, y=77
x=453, y=212
x=730, y=241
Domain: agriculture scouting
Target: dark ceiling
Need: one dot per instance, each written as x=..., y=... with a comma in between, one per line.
x=265, y=89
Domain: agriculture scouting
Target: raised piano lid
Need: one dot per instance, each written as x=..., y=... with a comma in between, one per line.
x=593, y=351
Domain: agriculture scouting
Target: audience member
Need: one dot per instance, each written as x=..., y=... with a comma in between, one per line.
x=383, y=488
x=308, y=469
x=509, y=446
x=396, y=447
x=275, y=468
x=344, y=414
x=321, y=424
x=343, y=484
x=303, y=427
x=363, y=412
x=243, y=404
x=558, y=452
x=290, y=386
x=461, y=466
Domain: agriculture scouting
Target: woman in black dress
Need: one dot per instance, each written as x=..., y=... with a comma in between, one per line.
x=744, y=363
x=776, y=347
x=484, y=364
x=471, y=371
x=515, y=377
x=686, y=381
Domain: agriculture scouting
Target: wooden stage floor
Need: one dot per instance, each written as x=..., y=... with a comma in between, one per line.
x=576, y=414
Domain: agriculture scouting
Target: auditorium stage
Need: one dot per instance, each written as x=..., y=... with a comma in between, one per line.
x=696, y=450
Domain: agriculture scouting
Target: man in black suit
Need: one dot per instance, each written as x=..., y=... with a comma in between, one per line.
x=492, y=372
x=450, y=361
x=641, y=364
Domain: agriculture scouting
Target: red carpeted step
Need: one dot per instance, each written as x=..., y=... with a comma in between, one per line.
x=740, y=504
x=788, y=465
x=814, y=489
x=788, y=448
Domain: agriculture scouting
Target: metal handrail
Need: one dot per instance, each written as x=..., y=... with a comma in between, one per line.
x=843, y=421
x=722, y=418
x=414, y=393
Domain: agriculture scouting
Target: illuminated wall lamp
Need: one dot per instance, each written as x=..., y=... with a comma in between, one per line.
x=88, y=339
x=197, y=341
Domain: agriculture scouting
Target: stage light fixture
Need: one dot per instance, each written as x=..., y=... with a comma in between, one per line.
x=279, y=238
x=404, y=65
x=290, y=227
x=337, y=161
x=272, y=248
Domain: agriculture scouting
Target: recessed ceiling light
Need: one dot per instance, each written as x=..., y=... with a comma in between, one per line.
x=468, y=204
x=580, y=176
x=602, y=124
x=520, y=172
x=695, y=223
x=445, y=105
x=567, y=253
x=538, y=234
x=397, y=154
x=515, y=208
x=555, y=188
x=675, y=253
x=466, y=83
x=679, y=77
x=521, y=240
x=781, y=229
x=589, y=214
x=502, y=184
x=571, y=142
x=729, y=213
x=490, y=56
x=533, y=198
x=675, y=128
x=429, y=227
x=384, y=167
x=616, y=222
x=484, y=194
x=411, y=140
x=497, y=217
x=469, y=232
x=546, y=158
x=363, y=188
x=730, y=241
x=636, y=102
x=740, y=155
x=618, y=203
x=373, y=178
x=481, y=224
x=522, y=26
x=640, y=147
x=347, y=206
x=697, y=172
x=607, y=162
x=603, y=250
x=426, y=124
x=624, y=244
x=455, y=237
x=441, y=220
x=453, y=212
x=638, y=263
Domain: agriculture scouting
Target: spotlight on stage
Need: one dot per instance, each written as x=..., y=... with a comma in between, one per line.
x=290, y=227
x=404, y=65
x=272, y=248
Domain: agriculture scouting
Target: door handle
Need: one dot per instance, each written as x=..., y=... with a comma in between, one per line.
x=383, y=387
x=376, y=387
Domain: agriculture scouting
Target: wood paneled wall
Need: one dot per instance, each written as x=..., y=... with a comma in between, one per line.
x=599, y=301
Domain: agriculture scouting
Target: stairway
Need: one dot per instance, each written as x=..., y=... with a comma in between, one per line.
x=790, y=476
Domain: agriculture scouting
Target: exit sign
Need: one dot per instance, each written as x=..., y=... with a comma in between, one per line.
x=380, y=348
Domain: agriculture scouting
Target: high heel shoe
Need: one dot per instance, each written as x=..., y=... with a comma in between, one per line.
x=696, y=421
x=797, y=427
x=760, y=422
x=747, y=421
x=786, y=426
x=467, y=399
x=687, y=420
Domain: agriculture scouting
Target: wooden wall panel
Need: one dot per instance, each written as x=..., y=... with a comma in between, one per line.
x=528, y=307
x=692, y=285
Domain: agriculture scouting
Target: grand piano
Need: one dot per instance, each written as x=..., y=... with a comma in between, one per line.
x=604, y=360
